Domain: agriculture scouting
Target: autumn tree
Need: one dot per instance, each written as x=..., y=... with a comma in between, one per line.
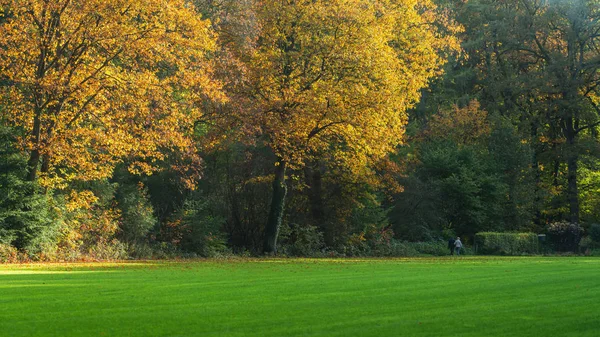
x=540, y=64
x=466, y=171
x=332, y=79
x=95, y=82
x=565, y=41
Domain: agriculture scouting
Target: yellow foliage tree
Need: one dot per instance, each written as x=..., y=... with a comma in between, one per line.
x=94, y=82
x=333, y=77
x=464, y=125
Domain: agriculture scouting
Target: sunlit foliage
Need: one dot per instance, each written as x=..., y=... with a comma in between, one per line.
x=95, y=82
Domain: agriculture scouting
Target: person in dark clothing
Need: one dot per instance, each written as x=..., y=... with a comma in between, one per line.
x=451, y=246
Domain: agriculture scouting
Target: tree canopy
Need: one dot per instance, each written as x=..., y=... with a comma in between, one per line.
x=302, y=127
x=95, y=83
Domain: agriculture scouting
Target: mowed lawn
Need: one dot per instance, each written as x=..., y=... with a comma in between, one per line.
x=469, y=296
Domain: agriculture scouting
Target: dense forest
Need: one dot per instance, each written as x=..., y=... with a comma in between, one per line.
x=182, y=128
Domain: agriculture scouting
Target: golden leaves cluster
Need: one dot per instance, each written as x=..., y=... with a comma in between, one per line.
x=463, y=125
x=96, y=82
x=336, y=77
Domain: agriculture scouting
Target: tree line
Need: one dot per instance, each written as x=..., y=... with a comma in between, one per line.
x=171, y=128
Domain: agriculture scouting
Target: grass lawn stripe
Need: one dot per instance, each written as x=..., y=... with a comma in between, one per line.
x=413, y=297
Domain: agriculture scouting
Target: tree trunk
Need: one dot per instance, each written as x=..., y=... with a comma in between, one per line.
x=572, y=158
x=32, y=165
x=35, y=155
x=535, y=164
x=276, y=210
x=572, y=189
x=312, y=175
x=317, y=195
x=45, y=164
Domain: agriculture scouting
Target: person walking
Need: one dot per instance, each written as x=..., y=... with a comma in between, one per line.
x=451, y=246
x=457, y=245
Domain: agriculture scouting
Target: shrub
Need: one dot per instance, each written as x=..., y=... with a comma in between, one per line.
x=163, y=250
x=595, y=233
x=593, y=252
x=112, y=250
x=8, y=254
x=372, y=241
x=585, y=244
x=409, y=249
x=402, y=249
x=27, y=221
x=435, y=248
x=297, y=240
x=493, y=243
x=564, y=236
x=87, y=223
x=379, y=240
x=137, y=213
x=200, y=229
x=356, y=245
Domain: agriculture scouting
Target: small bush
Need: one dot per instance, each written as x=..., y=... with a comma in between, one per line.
x=113, y=250
x=200, y=230
x=595, y=233
x=356, y=245
x=372, y=241
x=137, y=213
x=593, y=252
x=396, y=248
x=88, y=224
x=491, y=243
x=564, y=236
x=27, y=221
x=297, y=240
x=379, y=240
x=166, y=250
x=8, y=254
x=26, y=217
x=585, y=244
x=402, y=249
x=435, y=248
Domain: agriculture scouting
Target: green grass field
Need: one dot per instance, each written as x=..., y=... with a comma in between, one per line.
x=469, y=296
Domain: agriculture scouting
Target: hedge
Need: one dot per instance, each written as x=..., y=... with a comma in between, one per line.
x=492, y=243
x=564, y=236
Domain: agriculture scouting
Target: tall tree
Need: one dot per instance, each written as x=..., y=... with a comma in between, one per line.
x=537, y=62
x=463, y=174
x=333, y=78
x=94, y=82
x=565, y=39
